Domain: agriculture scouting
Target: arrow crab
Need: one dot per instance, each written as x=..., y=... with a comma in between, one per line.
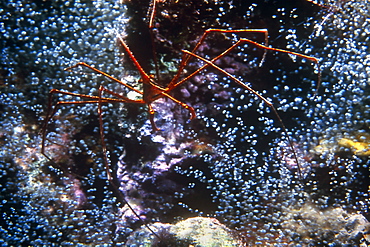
x=154, y=89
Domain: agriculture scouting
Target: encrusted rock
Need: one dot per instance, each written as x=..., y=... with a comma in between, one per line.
x=197, y=231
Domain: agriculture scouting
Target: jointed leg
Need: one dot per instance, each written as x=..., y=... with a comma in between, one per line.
x=185, y=58
x=144, y=76
x=91, y=100
x=104, y=74
x=238, y=43
x=269, y=104
x=121, y=197
x=187, y=107
x=151, y=27
x=313, y=59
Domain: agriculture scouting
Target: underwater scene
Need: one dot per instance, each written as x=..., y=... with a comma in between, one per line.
x=185, y=123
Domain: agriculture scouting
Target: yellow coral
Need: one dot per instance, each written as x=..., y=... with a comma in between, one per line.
x=360, y=148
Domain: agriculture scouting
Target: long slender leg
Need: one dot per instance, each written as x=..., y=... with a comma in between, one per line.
x=185, y=58
x=313, y=59
x=146, y=80
x=105, y=74
x=238, y=43
x=185, y=106
x=106, y=162
x=93, y=100
x=101, y=130
x=269, y=104
x=144, y=76
x=151, y=27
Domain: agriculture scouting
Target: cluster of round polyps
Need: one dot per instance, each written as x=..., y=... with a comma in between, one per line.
x=42, y=206
x=225, y=159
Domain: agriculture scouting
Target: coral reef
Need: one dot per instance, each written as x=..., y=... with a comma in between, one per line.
x=231, y=163
x=334, y=226
x=197, y=231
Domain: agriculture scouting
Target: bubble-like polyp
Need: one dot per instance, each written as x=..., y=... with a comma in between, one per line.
x=233, y=162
